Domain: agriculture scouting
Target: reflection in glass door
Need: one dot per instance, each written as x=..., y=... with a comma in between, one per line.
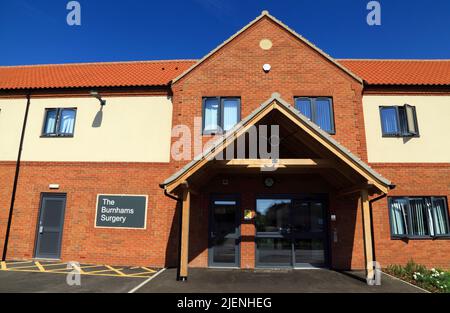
x=290, y=233
x=274, y=247
x=224, y=233
x=308, y=233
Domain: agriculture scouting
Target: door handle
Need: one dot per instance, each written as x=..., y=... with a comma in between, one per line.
x=41, y=229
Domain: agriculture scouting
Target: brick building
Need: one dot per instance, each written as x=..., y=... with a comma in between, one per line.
x=361, y=170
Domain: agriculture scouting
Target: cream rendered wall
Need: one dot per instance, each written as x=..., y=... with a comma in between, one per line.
x=133, y=129
x=433, y=145
x=12, y=113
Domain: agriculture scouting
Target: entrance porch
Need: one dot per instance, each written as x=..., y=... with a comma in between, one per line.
x=308, y=208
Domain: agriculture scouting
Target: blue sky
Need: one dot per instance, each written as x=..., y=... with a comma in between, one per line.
x=36, y=32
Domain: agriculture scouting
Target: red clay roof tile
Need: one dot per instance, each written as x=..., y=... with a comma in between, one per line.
x=401, y=72
x=117, y=74
x=160, y=73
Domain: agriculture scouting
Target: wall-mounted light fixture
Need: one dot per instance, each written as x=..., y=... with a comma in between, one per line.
x=96, y=95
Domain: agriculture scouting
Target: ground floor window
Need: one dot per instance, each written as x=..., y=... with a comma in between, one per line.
x=419, y=217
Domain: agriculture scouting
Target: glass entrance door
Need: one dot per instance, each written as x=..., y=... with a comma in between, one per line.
x=308, y=233
x=224, y=233
x=290, y=233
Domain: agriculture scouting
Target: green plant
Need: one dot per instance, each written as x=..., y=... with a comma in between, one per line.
x=434, y=280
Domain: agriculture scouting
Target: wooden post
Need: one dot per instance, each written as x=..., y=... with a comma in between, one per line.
x=184, y=260
x=367, y=225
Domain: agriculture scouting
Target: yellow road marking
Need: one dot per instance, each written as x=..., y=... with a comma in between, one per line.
x=103, y=271
x=85, y=274
x=22, y=267
x=137, y=274
x=76, y=267
x=21, y=262
x=39, y=266
x=91, y=266
x=65, y=270
x=149, y=269
x=53, y=264
x=114, y=270
x=24, y=271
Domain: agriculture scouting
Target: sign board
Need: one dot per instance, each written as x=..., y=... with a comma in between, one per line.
x=249, y=215
x=121, y=211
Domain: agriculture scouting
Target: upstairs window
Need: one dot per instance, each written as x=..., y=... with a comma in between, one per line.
x=419, y=217
x=317, y=110
x=399, y=121
x=59, y=122
x=220, y=114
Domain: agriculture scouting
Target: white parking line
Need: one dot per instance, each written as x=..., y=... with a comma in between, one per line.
x=146, y=282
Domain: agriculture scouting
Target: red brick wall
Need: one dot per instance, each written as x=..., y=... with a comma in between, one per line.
x=7, y=172
x=155, y=246
x=411, y=180
x=297, y=70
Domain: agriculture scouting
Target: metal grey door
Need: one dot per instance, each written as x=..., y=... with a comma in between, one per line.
x=50, y=226
x=224, y=233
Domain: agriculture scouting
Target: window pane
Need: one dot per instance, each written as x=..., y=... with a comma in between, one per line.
x=323, y=116
x=403, y=121
x=440, y=216
x=389, y=121
x=399, y=215
x=310, y=251
x=50, y=121
x=410, y=116
x=67, y=122
x=419, y=221
x=211, y=118
x=274, y=251
x=304, y=106
x=272, y=215
x=230, y=113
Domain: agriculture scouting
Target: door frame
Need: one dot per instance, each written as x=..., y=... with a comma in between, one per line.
x=295, y=197
x=224, y=197
x=36, y=240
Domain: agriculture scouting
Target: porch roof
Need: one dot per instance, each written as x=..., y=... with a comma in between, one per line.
x=364, y=169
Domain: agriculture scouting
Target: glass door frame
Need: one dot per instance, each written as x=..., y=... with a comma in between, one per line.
x=324, y=198
x=213, y=199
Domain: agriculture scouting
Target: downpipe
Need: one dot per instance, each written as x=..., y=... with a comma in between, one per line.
x=180, y=223
x=16, y=179
x=377, y=268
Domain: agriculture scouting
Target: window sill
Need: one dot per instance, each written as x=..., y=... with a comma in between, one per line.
x=432, y=238
x=205, y=134
x=57, y=136
x=401, y=136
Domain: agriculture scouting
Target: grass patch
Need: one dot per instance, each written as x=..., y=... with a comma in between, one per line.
x=433, y=280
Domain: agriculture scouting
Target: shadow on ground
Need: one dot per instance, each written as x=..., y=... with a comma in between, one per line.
x=289, y=281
